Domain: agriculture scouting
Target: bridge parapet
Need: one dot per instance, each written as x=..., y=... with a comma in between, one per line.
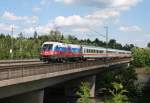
x=21, y=74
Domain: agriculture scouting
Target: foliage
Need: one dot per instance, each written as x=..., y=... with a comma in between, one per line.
x=141, y=57
x=124, y=75
x=84, y=93
x=118, y=94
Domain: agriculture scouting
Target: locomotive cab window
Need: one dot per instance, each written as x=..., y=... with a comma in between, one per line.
x=47, y=47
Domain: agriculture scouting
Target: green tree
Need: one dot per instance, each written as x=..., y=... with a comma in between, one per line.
x=112, y=43
x=148, y=45
x=118, y=94
x=138, y=57
x=128, y=47
x=84, y=93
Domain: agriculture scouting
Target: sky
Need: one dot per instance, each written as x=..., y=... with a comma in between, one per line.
x=127, y=20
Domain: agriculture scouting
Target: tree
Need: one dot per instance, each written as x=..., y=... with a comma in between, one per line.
x=84, y=93
x=72, y=39
x=112, y=43
x=20, y=35
x=128, y=47
x=148, y=45
x=118, y=94
x=138, y=57
x=35, y=35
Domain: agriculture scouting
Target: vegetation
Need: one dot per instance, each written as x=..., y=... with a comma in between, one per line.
x=125, y=76
x=23, y=47
x=118, y=94
x=141, y=57
x=84, y=93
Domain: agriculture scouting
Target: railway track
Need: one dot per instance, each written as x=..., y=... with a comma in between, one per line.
x=18, y=61
x=8, y=63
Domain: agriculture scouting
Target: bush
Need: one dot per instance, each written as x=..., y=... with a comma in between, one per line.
x=84, y=93
x=118, y=94
x=141, y=57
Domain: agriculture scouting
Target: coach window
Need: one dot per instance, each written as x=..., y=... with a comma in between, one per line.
x=87, y=50
x=90, y=50
x=84, y=50
x=97, y=51
x=101, y=51
x=108, y=51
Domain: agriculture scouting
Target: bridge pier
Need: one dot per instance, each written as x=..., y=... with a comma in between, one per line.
x=31, y=97
x=128, y=64
x=92, y=81
x=72, y=87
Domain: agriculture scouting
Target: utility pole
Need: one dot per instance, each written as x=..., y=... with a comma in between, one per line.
x=106, y=28
x=11, y=50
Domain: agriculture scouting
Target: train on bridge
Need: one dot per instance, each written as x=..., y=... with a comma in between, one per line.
x=61, y=52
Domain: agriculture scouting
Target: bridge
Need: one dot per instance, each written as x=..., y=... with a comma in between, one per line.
x=27, y=81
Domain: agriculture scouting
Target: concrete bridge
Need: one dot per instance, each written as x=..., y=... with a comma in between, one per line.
x=28, y=84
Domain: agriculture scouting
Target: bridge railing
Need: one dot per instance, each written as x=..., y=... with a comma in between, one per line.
x=24, y=71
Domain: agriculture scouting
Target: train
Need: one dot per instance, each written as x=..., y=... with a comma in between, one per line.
x=62, y=52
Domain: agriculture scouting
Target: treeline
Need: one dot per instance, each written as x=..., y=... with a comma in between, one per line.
x=23, y=47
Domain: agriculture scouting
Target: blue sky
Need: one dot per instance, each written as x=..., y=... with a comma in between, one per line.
x=128, y=20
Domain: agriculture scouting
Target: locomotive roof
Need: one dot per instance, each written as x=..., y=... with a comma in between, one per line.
x=62, y=44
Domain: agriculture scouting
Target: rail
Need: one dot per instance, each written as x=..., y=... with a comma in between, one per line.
x=18, y=61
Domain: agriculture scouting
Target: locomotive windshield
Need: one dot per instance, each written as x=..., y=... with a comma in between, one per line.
x=47, y=47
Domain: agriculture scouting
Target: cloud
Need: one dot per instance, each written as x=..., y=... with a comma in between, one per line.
x=82, y=23
x=6, y=27
x=77, y=23
x=65, y=1
x=96, y=18
x=130, y=29
x=36, y=9
x=39, y=7
x=81, y=29
x=102, y=3
x=42, y=29
x=11, y=16
x=106, y=10
x=45, y=2
x=69, y=21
